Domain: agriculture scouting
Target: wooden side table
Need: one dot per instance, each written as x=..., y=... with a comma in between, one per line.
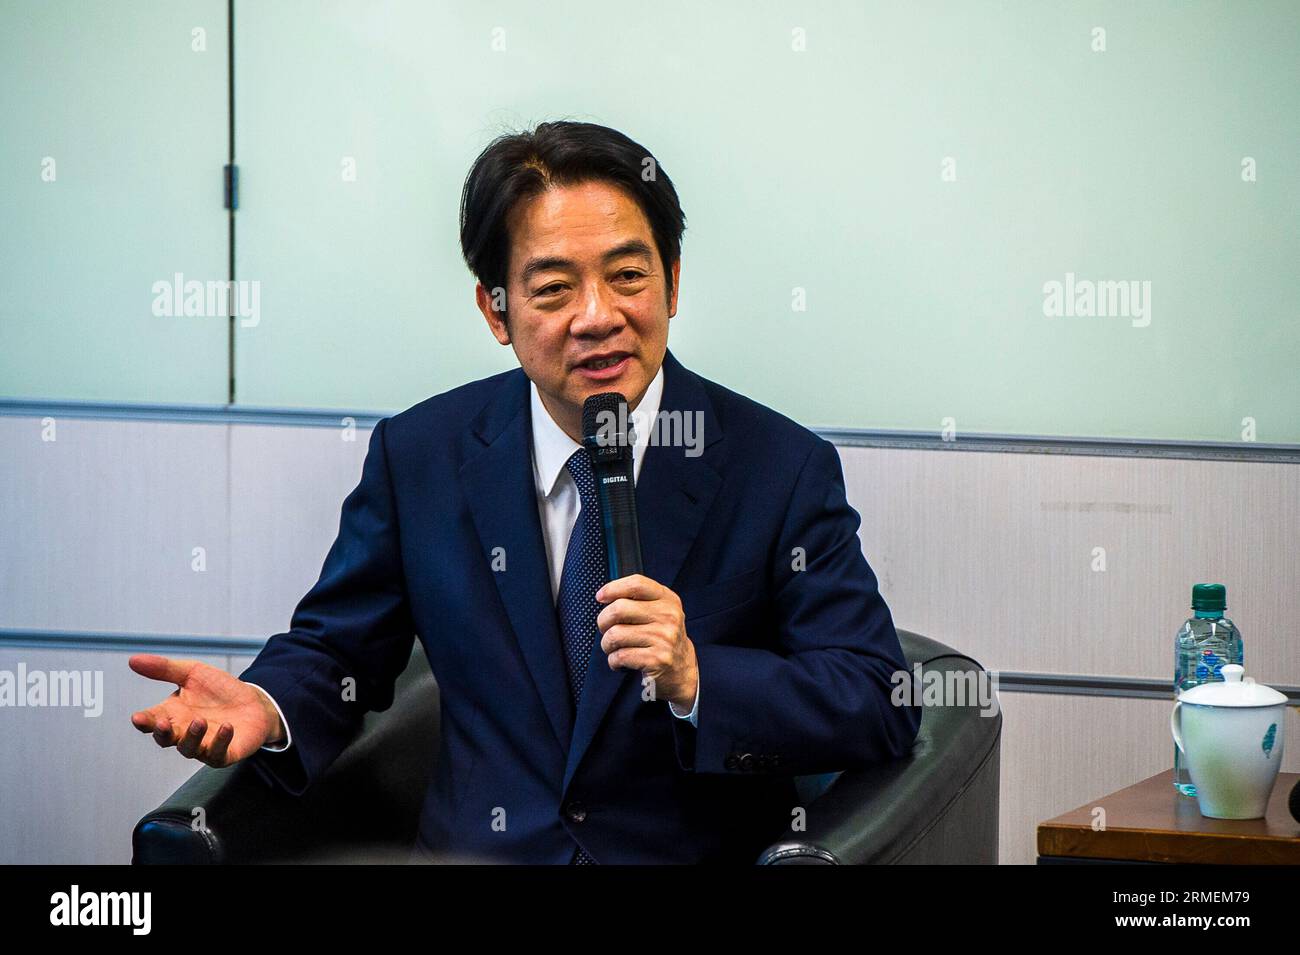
x=1150, y=822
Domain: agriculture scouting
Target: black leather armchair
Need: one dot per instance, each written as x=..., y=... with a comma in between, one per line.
x=937, y=805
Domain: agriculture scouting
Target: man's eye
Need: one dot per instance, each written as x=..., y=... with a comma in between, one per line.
x=547, y=289
x=632, y=272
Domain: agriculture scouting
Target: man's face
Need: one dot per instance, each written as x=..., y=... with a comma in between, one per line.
x=585, y=281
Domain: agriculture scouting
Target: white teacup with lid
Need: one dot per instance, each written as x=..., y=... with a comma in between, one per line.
x=1231, y=734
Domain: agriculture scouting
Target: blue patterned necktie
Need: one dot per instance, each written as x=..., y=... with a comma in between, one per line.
x=585, y=572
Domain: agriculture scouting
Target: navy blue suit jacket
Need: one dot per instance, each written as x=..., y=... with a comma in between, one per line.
x=795, y=662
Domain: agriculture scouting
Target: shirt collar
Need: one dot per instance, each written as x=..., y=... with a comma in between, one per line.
x=552, y=448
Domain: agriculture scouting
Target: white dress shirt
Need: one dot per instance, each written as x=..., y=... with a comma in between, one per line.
x=558, y=502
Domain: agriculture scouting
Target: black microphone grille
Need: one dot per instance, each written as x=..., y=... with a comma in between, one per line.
x=1294, y=802
x=602, y=409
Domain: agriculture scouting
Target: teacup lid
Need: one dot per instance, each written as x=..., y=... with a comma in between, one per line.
x=1232, y=690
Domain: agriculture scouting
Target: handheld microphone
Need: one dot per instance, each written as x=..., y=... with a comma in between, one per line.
x=608, y=438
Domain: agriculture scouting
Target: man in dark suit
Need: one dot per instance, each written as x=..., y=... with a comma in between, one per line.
x=660, y=717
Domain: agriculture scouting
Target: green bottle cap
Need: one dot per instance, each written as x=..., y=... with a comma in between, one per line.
x=1209, y=597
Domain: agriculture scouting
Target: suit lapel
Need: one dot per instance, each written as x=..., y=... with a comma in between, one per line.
x=497, y=481
x=673, y=494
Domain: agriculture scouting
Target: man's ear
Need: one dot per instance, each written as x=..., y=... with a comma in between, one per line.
x=493, y=307
x=677, y=285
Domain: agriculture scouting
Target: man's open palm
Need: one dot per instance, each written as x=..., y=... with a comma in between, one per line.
x=211, y=716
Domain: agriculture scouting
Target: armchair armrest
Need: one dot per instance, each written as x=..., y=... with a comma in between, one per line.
x=370, y=796
x=939, y=804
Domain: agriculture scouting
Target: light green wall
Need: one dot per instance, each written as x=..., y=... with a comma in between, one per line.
x=134, y=119
x=818, y=170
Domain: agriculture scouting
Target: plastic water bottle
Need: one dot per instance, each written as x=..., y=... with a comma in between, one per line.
x=1207, y=641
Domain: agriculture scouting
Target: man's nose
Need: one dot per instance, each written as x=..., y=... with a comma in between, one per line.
x=597, y=314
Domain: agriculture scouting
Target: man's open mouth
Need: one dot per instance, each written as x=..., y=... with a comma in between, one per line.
x=607, y=367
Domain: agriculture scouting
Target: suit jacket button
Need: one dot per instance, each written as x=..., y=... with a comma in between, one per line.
x=732, y=761
x=575, y=811
x=747, y=762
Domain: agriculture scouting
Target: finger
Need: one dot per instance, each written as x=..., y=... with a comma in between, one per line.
x=189, y=744
x=635, y=586
x=216, y=754
x=163, y=734
x=156, y=667
x=631, y=659
x=143, y=721
x=625, y=610
x=622, y=636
